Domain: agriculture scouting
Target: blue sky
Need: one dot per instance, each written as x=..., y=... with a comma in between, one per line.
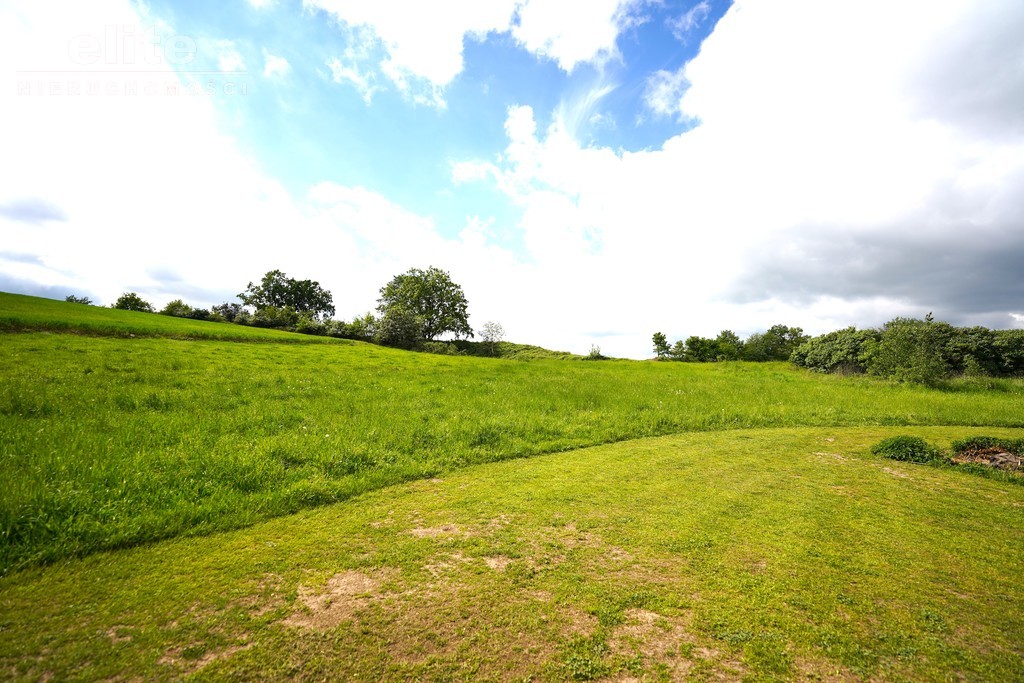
x=591, y=172
x=304, y=127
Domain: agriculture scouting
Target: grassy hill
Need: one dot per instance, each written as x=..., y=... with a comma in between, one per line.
x=762, y=541
x=20, y=313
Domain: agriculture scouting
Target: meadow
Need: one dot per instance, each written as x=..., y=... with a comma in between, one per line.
x=720, y=520
x=754, y=555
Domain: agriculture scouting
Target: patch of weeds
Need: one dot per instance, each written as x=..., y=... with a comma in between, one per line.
x=769, y=655
x=736, y=637
x=931, y=620
x=907, y=448
x=583, y=659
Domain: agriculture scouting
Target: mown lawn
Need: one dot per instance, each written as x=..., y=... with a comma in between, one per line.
x=760, y=555
x=109, y=442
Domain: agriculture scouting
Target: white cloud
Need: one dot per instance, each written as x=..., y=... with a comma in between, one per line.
x=421, y=43
x=228, y=56
x=664, y=91
x=684, y=24
x=274, y=66
x=813, y=180
x=572, y=31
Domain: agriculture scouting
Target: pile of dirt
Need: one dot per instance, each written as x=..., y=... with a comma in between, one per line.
x=992, y=456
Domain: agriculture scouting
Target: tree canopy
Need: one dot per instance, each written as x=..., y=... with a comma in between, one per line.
x=130, y=301
x=278, y=291
x=431, y=296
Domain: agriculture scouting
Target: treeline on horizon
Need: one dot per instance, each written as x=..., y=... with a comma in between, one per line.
x=414, y=309
x=903, y=349
x=418, y=306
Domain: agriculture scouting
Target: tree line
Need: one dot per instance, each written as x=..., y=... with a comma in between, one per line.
x=904, y=349
x=414, y=310
x=776, y=343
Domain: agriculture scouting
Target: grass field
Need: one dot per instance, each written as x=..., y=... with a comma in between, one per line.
x=19, y=313
x=755, y=538
x=777, y=554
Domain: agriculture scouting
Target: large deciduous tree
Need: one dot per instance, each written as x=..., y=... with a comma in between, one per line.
x=278, y=291
x=431, y=296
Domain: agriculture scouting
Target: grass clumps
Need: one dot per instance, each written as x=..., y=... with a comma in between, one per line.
x=980, y=444
x=907, y=448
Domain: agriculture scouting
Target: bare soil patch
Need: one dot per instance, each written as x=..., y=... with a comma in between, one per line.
x=991, y=457
x=343, y=596
x=433, y=532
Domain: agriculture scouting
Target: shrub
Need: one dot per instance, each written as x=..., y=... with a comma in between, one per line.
x=271, y=316
x=910, y=351
x=177, y=308
x=840, y=351
x=441, y=348
x=130, y=301
x=400, y=328
x=908, y=448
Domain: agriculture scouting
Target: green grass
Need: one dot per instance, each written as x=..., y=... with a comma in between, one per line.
x=109, y=442
x=757, y=555
x=19, y=313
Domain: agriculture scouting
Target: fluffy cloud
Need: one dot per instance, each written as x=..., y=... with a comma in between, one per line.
x=825, y=185
x=420, y=44
x=274, y=66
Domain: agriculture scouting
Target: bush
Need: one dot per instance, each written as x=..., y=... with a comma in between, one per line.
x=399, y=328
x=130, y=301
x=281, y=318
x=177, y=309
x=441, y=348
x=840, y=351
x=907, y=448
x=910, y=351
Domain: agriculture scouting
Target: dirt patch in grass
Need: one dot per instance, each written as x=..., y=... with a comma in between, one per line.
x=498, y=562
x=433, y=532
x=896, y=473
x=653, y=636
x=992, y=457
x=339, y=601
x=834, y=456
x=180, y=657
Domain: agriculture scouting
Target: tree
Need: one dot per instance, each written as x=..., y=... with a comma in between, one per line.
x=278, y=291
x=909, y=350
x=729, y=345
x=72, y=299
x=701, y=349
x=130, y=301
x=399, y=327
x=228, y=311
x=177, y=308
x=492, y=333
x=777, y=343
x=431, y=296
x=661, y=347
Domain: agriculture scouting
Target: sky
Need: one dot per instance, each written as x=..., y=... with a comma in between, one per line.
x=589, y=171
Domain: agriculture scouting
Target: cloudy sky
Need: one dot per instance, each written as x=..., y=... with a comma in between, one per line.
x=590, y=171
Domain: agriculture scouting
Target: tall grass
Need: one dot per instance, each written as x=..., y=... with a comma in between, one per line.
x=109, y=442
